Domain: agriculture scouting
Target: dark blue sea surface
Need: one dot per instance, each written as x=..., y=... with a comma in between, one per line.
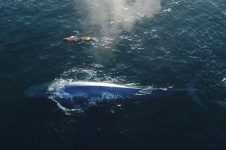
x=180, y=45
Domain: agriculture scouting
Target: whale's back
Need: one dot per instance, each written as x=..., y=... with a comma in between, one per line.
x=96, y=88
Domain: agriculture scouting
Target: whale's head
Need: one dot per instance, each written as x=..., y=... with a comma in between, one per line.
x=37, y=91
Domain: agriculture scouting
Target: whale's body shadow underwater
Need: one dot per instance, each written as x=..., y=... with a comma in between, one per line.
x=77, y=95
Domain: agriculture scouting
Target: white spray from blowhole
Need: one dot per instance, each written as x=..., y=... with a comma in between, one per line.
x=114, y=16
x=107, y=19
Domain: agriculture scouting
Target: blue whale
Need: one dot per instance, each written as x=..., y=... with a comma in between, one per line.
x=70, y=94
x=81, y=89
x=74, y=94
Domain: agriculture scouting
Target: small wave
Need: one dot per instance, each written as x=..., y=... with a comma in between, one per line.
x=224, y=81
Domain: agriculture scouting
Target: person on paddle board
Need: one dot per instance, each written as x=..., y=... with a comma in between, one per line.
x=78, y=39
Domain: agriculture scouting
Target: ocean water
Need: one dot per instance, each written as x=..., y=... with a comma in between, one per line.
x=173, y=44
